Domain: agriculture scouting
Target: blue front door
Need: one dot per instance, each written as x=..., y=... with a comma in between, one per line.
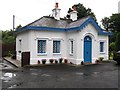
x=87, y=49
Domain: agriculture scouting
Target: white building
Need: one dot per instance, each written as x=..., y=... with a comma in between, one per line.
x=54, y=38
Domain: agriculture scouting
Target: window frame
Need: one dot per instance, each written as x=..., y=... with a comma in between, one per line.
x=102, y=48
x=71, y=47
x=56, y=47
x=44, y=52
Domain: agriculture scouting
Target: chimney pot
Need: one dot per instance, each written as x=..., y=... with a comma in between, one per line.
x=56, y=5
x=74, y=8
x=73, y=14
x=56, y=12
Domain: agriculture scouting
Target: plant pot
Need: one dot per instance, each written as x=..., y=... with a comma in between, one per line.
x=82, y=63
x=97, y=61
x=51, y=60
x=43, y=61
x=38, y=62
x=60, y=60
x=56, y=61
x=65, y=61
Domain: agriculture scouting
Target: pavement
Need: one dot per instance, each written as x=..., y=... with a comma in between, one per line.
x=14, y=62
x=104, y=75
x=17, y=63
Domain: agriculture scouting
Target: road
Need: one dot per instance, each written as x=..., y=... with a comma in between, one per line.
x=104, y=75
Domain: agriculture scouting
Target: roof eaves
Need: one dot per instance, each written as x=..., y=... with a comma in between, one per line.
x=105, y=33
x=44, y=28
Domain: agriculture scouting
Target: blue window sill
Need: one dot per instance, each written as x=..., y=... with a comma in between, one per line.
x=42, y=54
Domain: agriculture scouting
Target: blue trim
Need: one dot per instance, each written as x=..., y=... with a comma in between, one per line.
x=39, y=28
x=89, y=20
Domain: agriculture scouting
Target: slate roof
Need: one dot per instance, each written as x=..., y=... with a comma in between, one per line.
x=49, y=23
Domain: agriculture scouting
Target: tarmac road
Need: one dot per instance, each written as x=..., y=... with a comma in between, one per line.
x=104, y=75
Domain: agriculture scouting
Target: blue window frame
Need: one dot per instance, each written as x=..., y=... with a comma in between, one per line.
x=41, y=46
x=56, y=46
x=71, y=48
x=101, y=46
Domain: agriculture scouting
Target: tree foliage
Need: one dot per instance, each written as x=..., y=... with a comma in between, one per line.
x=8, y=37
x=117, y=42
x=112, y=23
x=82, y=11
x=105, y=22
x=19, y=26
x=115, y=22
x=112, y=47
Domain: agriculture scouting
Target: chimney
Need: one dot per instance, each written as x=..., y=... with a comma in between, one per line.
x=73, y=14
x=56, y=12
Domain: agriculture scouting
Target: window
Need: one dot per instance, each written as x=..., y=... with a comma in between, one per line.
x=41, y=46
x=71, y=47
x=56, y=46
x=101, y=46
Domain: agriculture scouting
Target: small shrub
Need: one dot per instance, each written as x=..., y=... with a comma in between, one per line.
x=101, y=58
x=10, y=54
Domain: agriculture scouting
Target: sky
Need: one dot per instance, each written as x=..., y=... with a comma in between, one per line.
x=27, y=11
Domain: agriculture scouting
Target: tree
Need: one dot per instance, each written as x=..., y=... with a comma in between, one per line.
x=112, y=47
x=117, y=42
x=105, y=22
x=8, y=37
x=115, y=22
x=19, y=26
x=82, y=11
x=112, y=23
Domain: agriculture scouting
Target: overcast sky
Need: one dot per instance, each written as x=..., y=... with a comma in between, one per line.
x=26, y=11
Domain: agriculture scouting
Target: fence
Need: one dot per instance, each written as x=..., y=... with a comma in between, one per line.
x=8, y=49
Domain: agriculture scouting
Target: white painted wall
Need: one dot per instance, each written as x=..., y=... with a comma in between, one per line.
x=29, y=43
x=72, y=35
x=89, y=30
x=25, y=43
x=93, y=33
x=105, y=54
x=49, y=36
